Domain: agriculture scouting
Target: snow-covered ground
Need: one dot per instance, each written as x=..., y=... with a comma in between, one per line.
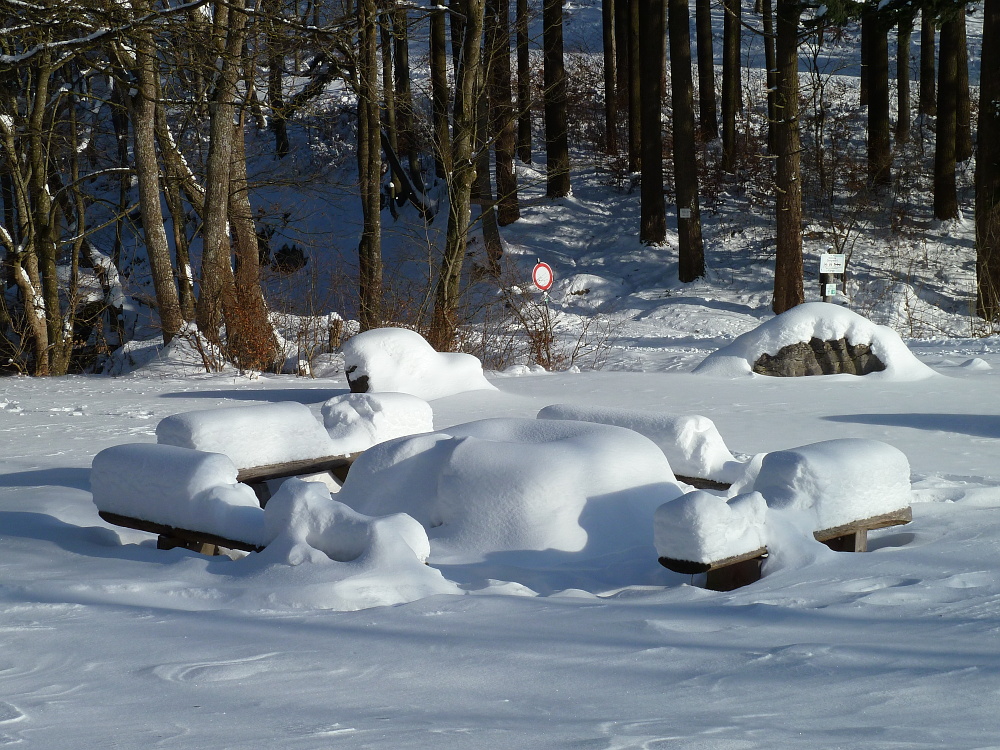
x=110, y=642
x=106, y=641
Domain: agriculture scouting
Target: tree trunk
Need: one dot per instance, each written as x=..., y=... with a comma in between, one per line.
x=501, y=111
x=610, y=77
x=147, y=171
x=879, y=126
x=867, y=16
x=708, y=118
x=369, y=169
x=767, y=20
x=557, y=182
x=523, y=82
x=217, y=297
x=788, y=291
x=439, y=93
x=928, y=103
x=945, y=191
x=634, y=89
x=653, y=219
x=904, y=34
x=988, y=171
x=444, y=323
x=691, y=253
x=731, y=76
x=963, y=102
x=404, y=97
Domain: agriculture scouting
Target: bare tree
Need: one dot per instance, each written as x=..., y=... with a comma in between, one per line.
x=653, y=220
x=988, y=171
x=557, y=182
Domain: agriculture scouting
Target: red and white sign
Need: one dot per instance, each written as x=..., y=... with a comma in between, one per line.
x=542, y=276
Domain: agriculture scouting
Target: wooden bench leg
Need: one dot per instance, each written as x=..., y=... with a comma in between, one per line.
x=734, y=576
x=856, y=541
x=169, y=542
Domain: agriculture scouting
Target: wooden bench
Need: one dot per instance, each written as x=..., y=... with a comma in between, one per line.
x=733, y=572
x=257, y=478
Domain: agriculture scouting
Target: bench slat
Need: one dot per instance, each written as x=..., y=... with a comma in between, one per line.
x=336, y=465
x=186, y=535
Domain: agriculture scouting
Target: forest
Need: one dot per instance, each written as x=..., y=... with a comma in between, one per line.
x=148, y=151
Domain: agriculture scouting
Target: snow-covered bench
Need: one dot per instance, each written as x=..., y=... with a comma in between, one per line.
x=697, y=453
x=210, y=469
x=839, y=489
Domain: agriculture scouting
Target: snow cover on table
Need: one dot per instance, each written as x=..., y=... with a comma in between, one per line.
x=397, y=359
x=179, y=487
x=356, y=421
x=692, y=444
x=702, y=527
x=258, y=435
x=500, y=485
x=820, y=320
x=836, y=481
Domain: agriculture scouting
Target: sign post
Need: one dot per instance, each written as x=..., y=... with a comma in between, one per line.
x=542, y=277
x=831, y=265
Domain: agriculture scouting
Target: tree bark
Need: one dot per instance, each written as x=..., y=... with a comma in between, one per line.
x=708, y=117
x=731, y=77
x=147, y=170
x=879, y=126
x=610, y=76
x=439, y=93
x=557, y=182
x=501, y=111
x=653, y=219
x=945, y=191
x=767, y=21
x=904, y=35
x=928, y=103
x=988, y=171
x=691, y=253
x=788, y=267
x=963, y=102
x=634, y=88
x=369, y=169
x=444, y=323
x=523, y=82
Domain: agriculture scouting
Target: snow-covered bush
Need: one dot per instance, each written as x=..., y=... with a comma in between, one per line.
x=398, y=359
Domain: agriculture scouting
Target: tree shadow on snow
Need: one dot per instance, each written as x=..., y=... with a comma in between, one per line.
x=278, y=395
x=975, y=425
x=64, y=476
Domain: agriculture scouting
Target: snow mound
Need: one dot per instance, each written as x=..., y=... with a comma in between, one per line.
x=836, y=481
x=692, y=444
x=816, y=320
x=357, y=421
x=258, y=435
x=701, y=527
x=502, y=485
x=177, y=487
x=369, y=561
x=397, y=359
x=588, y=290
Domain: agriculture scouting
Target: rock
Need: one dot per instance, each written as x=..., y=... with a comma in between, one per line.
x=818, y=357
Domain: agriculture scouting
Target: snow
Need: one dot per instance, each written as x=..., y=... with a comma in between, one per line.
x=514, y=485
x=826, y=322
x=397, y=359
x=702, y=527
x=836, y=481
x=691, y=443
x=110, y=642
x=258, y=435
x=177, y=487
x=357, y=421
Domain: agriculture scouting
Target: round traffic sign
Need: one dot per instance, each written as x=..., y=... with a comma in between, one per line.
x=542, y=276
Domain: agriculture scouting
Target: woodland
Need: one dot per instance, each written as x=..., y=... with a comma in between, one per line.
x=163, y=126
